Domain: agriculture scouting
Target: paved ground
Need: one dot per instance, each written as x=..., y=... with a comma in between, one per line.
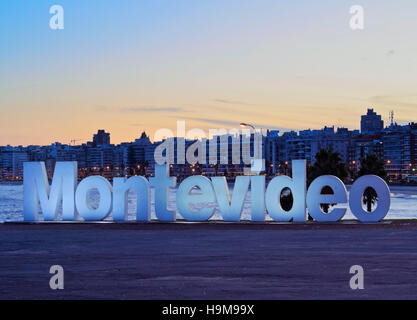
x=208, y=261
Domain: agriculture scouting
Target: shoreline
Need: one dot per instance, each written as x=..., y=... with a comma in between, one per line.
x=403, y=224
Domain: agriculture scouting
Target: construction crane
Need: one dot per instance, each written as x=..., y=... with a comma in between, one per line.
x=73, y=141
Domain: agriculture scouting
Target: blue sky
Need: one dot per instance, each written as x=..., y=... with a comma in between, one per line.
x=126, y=66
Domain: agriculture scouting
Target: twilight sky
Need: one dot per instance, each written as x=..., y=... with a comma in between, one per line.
x=132, y=65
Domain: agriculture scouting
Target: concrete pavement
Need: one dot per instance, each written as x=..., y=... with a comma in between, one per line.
x=209, y=261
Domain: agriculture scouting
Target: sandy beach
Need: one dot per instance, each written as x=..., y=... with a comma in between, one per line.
x=208, y=260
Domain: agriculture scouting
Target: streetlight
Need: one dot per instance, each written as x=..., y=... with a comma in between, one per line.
x=242, y=124
x=259, y=162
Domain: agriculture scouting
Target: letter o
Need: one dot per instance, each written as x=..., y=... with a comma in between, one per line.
x=105, y=190
x=384, y=198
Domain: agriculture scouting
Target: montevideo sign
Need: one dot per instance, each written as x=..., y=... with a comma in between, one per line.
x=40, y=198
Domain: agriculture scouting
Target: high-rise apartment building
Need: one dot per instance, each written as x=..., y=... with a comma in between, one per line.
x=101, y=138
x=371, y=123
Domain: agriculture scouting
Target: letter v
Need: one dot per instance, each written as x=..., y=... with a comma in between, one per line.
x=231, y=208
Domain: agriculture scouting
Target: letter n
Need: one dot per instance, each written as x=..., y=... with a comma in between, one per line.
x=141, y=186
x=36, y=190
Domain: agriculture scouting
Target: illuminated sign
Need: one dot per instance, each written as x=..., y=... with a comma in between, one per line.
x=40, y=198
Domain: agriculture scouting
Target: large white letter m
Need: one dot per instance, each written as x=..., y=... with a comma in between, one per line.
x=36, y=190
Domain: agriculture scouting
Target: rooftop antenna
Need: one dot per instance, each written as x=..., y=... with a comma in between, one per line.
x=391, y=117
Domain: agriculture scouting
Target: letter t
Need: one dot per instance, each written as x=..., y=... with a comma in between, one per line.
x=162, y=182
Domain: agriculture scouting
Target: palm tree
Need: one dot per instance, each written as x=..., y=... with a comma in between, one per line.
x=371, y=164
x=327, y=162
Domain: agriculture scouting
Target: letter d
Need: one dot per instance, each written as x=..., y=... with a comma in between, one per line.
x=297, y=185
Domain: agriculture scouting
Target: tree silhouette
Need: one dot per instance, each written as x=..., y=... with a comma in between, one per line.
x=327, y=162
x=371, y=164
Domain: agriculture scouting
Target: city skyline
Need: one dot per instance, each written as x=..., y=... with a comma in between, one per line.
x=395, y=145
x=144, y=65
x=140, y=131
